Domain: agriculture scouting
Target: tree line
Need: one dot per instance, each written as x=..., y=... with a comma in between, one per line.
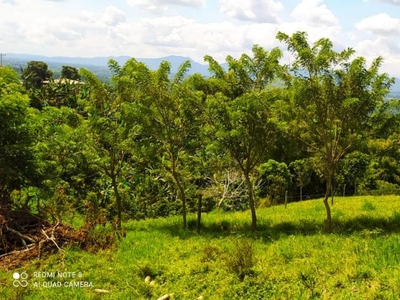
x=150, y=143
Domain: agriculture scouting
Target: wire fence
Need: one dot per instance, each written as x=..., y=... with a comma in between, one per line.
x=294, y=196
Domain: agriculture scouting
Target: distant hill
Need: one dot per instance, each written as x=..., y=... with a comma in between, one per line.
x=98, y=65
x=395, y=90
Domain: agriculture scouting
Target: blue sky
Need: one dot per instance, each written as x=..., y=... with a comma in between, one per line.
x=194, y=28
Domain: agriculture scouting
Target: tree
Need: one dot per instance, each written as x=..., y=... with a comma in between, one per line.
x=302, y=173
x=66, y=159
x=168, y=113
x=274, y=178
x=69, y=72
x=35, y=73
x=111, y=137
x=352, y=169
x=238, y=112
x=243, y=131
x=332, y=98
x=17, y=161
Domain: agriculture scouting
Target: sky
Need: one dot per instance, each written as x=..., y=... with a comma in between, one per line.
x=195, y=28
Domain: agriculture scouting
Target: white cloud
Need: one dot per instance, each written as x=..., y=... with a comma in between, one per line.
x=314, y=12
x=95, y=28
x=265, y=11
x=380, y=24
x=65, y=34
x=113, y=16
x=155, y=5
x=381, y=46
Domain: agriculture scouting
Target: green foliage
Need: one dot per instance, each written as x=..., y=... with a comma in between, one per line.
x=9, y=81
x=17, y=161
x=368, y=206
x=35, y=73
x=151, y=144
x=69, y=72
x=243, y=132
x=65, y=158
x=168, y=114
x=274, y=179
x=333, y=103
x=241, y=261
x=210, y=253
x=112, y=139
x=302, y=170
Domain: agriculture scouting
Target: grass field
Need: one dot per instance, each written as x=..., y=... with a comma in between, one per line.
x=289, y=257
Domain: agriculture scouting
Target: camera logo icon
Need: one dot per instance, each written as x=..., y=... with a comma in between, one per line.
x=20, y=279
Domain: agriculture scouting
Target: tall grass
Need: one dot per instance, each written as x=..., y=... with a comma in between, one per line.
x=289, y=257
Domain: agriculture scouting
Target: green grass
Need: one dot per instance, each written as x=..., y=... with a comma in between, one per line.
x=293, y=257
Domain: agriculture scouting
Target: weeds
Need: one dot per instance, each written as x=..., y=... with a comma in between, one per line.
x=368, y=206
x=210, y=253
x=241, y=260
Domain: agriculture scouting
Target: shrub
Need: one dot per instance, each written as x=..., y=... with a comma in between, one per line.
x=368, y=206
x=210, y=253
x=241, y=260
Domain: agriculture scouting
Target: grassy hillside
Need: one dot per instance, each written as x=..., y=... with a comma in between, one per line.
x=289, y=257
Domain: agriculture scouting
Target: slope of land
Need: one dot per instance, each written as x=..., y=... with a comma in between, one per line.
x=288, y=257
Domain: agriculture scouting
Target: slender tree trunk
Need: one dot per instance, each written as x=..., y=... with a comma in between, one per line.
x=286, y=198
x=199, y=204
x=119, y=201
x=301, y=193
x=182, y=196
x=327, y=207
x=251, y=201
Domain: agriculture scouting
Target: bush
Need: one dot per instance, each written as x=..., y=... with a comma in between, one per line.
x=274, y=178
x=210, y=253
x=368, y=206
x=241, y=260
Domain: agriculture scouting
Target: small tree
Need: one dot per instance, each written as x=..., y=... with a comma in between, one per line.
x=168, y=114
x=239, y=111
x=111, y=137
x=352, y=169
x=332, y=98
x=302, y=173
x=274, y=178
x=35, y=73
x=69, y=72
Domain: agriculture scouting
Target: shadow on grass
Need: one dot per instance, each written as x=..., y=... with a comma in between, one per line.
x=268, y=231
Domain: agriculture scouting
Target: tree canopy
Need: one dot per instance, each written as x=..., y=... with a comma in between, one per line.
x=150, y=143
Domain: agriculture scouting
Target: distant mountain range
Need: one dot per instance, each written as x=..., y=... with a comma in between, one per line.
x=98, y=65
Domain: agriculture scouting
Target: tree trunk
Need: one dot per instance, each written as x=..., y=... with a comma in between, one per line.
x=327, y=207
x=301, y=193
x=119, y=201
x=199, y=213
x=251, y=201
x=286, y=198
x=182, y=196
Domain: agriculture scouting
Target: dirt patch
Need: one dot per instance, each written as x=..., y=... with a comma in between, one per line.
x=25, y=236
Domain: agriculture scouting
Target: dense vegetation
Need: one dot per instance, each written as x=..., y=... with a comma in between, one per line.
x=149, y=144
